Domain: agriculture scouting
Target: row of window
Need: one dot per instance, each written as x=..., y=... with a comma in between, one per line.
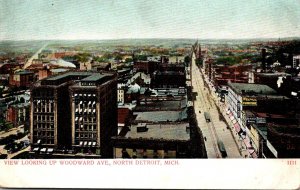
x=45, y=107
x=44, y=134
x=83, y=127
x=40, y=126
x=85, y=111
x=44, y=141
x=85, y=136
x=46, y=118
x=84, y=95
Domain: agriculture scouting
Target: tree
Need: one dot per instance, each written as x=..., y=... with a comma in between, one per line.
x=199, y=62
x=140, y=57
x=187, y=59
x=128, y=60
x=118, y=57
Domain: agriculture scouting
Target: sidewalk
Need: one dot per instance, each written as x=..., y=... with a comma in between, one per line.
x=221, y=106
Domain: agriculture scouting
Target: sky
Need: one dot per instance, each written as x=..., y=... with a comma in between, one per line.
x=120, y=19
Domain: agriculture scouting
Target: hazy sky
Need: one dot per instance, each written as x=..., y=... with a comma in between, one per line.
x=105, y=19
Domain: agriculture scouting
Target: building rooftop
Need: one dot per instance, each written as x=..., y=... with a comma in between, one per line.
x=161, y=105
x=58, y=77
x=58, y=70
x=160, y=131
x=246, y=88
x=24, y=72
x=82, y=76
x=161, y=116
x=262, y=129
x=94, y=77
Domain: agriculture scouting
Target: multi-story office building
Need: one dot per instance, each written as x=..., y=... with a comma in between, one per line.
x=75, y=110
x=296, y=61
x=243, y=97
x=94, y=113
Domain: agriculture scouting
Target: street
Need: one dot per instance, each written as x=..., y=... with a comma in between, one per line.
x=14, y=131
x=215, y=130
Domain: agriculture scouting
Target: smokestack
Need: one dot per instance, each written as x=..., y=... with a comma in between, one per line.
x=263, y=60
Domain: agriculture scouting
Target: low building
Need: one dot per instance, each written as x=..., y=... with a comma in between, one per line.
x=21, y=78
x=124, y=117
x=273, y=80
x=168, y=79
x=85, y=66
x=147, y=67
x=153, y=141
x=176, y=59
x=141, y=79
x=96, y=66
x=222, y=74
x=18, y=114
x=285, y=139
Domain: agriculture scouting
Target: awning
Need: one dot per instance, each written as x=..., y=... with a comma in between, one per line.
x=43, y=150
x=50, y=150
x=85, y=143
x=254, y=155
x=94, y=143
x=80, y=143
x=250, y=148
x=237, y=127
x=90, y=143
x=35, y=149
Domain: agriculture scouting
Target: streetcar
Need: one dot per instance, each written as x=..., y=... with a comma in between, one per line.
x=207, y=117
x=222, y=149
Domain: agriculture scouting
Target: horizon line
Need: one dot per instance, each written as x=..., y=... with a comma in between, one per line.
x=155, y=38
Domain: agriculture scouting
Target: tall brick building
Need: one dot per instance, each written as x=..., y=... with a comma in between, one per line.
x=75, y=110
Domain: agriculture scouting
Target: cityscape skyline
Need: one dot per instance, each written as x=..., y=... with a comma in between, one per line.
x=70, y=20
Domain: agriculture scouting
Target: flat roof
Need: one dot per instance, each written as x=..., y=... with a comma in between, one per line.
x=251, y=88
x=24, y=72
x=160, y=105
x=57, y=77
x=161, y=116
x=94, y=77
x=81, y=76
x=161, y=131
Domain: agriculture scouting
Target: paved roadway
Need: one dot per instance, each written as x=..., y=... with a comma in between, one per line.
x=216, y=129
x=35, y=56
